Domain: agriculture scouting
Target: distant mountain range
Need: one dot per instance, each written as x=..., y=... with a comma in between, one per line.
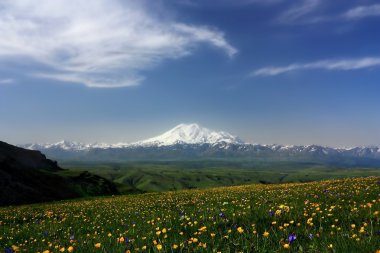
x=181, y=134
x=191, y=141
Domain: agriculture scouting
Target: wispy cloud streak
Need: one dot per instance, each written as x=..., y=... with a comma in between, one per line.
x=362, y=12
x=347, y=64
x=99, y=43
x=304, y=13
x=298, y=11
x=6, y=81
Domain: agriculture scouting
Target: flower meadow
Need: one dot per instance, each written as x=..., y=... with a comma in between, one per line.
x=326, y=216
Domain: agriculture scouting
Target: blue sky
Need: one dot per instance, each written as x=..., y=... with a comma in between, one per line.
x=273, y=71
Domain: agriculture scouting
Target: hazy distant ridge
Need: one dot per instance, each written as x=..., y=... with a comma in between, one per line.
x=191, y=141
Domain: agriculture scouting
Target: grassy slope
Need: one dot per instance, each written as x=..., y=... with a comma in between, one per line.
x=164, y=176
x=329, y=216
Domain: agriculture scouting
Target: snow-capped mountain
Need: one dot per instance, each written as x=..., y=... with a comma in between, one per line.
x=181, y=134
x=190, y=134
x=66, y=145
x=191, y=141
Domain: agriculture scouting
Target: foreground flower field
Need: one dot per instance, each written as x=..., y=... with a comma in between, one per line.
x=328, y=216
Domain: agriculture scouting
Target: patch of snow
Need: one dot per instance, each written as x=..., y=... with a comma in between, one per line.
x=190, y=134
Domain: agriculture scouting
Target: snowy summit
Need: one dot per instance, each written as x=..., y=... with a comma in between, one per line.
x=190, y=134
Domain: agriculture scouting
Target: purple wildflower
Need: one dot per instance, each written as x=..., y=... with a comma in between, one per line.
x=292, y=238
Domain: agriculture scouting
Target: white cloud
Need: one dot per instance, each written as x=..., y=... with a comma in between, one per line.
x=347, y=64
x=363, y=11
x=99, y=43
x=6, y=81
x=298, y=11
x=205, y=34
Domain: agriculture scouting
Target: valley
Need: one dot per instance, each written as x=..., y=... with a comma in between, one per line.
x=191, y=156
x=140, y=177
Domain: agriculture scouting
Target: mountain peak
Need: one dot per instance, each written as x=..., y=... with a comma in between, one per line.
x=190, y=134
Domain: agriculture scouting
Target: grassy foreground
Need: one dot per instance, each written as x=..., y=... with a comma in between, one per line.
x=326, y=216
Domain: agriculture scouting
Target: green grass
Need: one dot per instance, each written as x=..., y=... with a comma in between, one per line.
x=138, y=177
x=326, y=216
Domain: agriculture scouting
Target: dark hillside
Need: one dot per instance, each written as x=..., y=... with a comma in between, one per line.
x=26, y=176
